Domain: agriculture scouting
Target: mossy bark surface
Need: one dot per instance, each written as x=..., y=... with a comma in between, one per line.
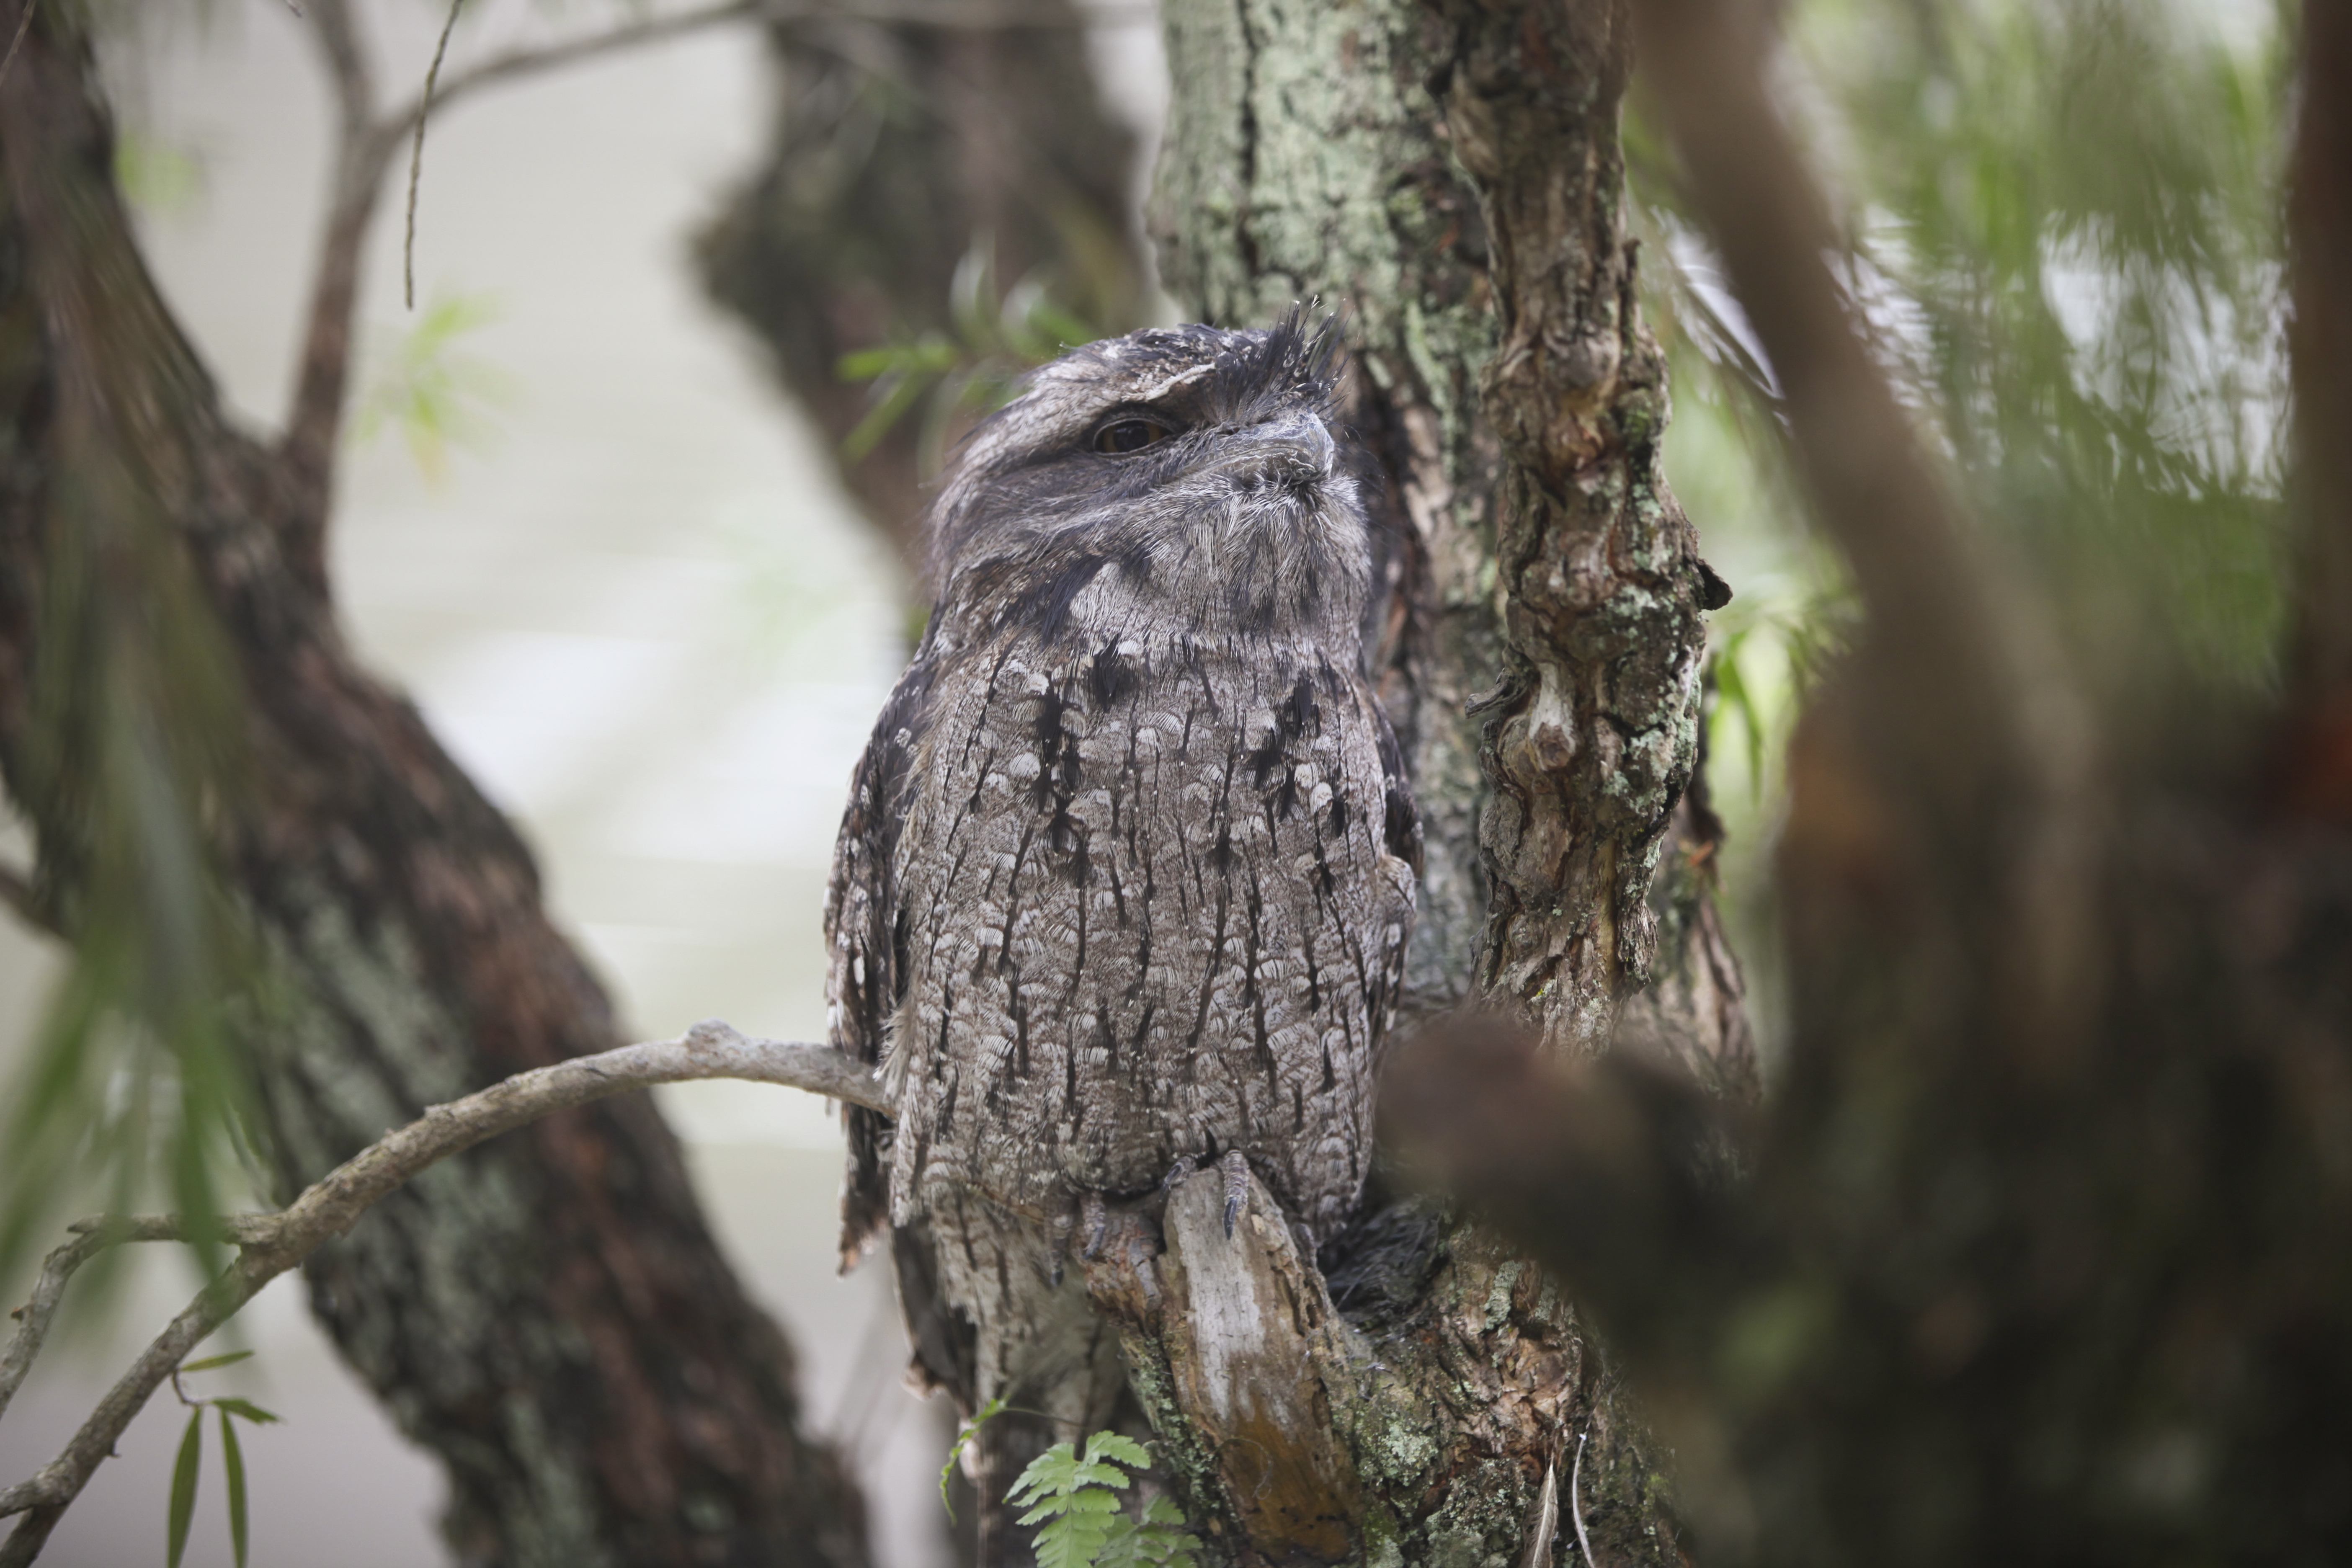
x=1449, y=176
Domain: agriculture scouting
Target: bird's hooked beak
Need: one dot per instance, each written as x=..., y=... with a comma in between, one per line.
x=1294, y=449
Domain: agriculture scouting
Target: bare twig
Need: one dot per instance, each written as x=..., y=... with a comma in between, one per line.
x=956, y=16
x=1547, y=1520
x=271, y=1244
x=24, y=26
x=315, y=418
x=416, y=154
x=33, y=1317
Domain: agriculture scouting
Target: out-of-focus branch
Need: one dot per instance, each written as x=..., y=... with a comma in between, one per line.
x=348, y=69
x=1612, y=1171
x=271, y=1244
x=1933, y=600
x=1970, y=749
x=2319, y=227
x=16, y=40
x=314, y=424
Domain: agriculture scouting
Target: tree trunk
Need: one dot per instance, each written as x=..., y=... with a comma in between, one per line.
x=2041, y=1259
x=549, y=1313
x=1451, y=177
x=1425, y=1396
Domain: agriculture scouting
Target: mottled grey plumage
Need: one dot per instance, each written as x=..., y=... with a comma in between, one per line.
x=1129, y=867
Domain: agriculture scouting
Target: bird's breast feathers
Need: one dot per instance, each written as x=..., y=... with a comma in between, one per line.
x=1152, y=907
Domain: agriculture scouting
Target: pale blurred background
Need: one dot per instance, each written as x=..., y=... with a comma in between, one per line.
x=629, y=596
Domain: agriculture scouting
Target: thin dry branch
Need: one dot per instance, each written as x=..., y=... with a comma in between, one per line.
x=348, y=69
x=417, y=155
x=368, y=145
x=271, y=1244
x=33, y=1317
x=954, y=15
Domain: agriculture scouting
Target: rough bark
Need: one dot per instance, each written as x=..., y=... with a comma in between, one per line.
x=899, y=149
x=549, y=1314
x=2041, y=1260
x=1451, y=179
x=1447, y=177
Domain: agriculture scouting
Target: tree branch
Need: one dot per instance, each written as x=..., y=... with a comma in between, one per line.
x=270, y=1244
x=2319, y=336
x=1935, y=605
x=314, y=422
x=960, y=15
x=347, y=65
x=1977, y=751
x=91, y=1237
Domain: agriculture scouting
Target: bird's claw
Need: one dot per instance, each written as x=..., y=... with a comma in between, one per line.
x=1236, y=1166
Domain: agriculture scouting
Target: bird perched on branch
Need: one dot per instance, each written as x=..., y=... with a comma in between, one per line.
x=1128, y=869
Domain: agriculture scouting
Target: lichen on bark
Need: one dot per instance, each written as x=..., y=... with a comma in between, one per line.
x=1448, y=176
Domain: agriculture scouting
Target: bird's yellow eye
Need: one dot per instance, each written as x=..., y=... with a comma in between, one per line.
x=1129, y=436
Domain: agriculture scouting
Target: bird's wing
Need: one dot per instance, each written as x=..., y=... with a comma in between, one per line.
x=863, y=932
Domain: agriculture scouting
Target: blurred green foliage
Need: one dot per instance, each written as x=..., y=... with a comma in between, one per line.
x=2063, y=229
x=159, y=178
x=135, y=1089
x=429, y=388
x=955, y=378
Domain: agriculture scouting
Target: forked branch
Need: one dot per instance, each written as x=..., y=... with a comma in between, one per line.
x=270, y=1244
x=369, y=142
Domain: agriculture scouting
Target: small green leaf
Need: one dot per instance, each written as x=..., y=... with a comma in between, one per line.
x=211, y=1362
x=183, y=1488
x=864, y=364
x=1115, y=1445
x=233, y=1462
x=955, y=1451
x=249, y=1409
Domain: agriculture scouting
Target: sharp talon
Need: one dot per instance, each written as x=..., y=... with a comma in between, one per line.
x=1235, y=1165
x=1097, y=1221
x=1183, y=1167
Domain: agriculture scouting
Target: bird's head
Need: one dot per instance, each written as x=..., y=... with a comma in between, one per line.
x=1179, y=481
